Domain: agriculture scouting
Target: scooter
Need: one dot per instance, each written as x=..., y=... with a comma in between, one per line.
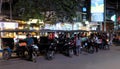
x=35, y=53
x=50, y=54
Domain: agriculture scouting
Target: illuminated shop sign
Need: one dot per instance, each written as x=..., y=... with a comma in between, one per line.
x=64, y=26
x=97, y=10
x=84, y=9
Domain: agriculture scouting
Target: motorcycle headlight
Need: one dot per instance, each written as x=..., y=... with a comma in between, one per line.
x=69, y=43
x=107, y=40
x=51, y=43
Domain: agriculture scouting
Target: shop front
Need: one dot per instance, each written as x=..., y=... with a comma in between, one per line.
x=64, y=26
x=4, y=35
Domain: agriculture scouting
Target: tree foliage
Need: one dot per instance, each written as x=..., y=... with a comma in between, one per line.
x=48, y=10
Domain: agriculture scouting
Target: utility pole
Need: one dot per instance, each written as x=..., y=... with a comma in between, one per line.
x=104, y=15
x=1, y=1
x=116, y=25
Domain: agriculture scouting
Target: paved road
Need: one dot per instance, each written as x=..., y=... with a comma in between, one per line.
x=104, y=59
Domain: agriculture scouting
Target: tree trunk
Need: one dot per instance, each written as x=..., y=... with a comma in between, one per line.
x=11, y=10
x=0, y=6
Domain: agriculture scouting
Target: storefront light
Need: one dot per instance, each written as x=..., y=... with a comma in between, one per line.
x=86, y=22
x=35, y=21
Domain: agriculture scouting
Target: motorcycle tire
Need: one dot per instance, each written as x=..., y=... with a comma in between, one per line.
x=34, y=56
x=70, y=52
x=6, y=55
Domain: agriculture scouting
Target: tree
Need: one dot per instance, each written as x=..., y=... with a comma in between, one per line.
x=26, y=9
x=48, y=10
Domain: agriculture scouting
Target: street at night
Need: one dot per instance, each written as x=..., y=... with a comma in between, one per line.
x=34, y=34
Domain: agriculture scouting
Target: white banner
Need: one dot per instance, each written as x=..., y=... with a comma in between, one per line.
x=8, y=25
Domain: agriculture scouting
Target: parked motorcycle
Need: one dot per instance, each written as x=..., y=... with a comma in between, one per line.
x=68, y=48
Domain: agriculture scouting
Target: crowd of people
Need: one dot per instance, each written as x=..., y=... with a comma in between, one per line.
x=79, y=42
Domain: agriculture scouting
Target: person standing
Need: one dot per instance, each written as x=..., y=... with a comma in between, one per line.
x=78, y=45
